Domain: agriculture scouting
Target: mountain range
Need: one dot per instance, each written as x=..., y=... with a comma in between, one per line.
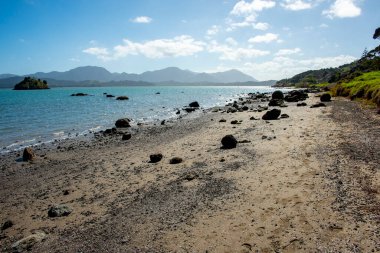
x=98, y=76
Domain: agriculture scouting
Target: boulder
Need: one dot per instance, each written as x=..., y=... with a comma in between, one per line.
x=326, y=97
x=122, y=98
x=110, y=96
x=123, y=122
x=126, y=136
x=277, y=95
x=28, y=242
x=222, y=120
x=189, y=109
x=231, y=110
x=284, y=116
x=245, y=108
x=296, y=95
x=59, y=211
x=276, y=102
x=234, y=122
x=272, y=114
x=318, y=105
x=28, y=154
x=194, y=104
x=155, y=158
x=175, y=160
x=301, y=104
x=80, y=94
x=229, y=141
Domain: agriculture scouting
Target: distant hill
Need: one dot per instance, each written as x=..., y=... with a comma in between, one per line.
x=29, y=83
x=91, y=73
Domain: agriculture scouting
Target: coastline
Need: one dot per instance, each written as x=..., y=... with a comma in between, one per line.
x=283, y=188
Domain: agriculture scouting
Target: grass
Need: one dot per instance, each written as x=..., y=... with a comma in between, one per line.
x=365, y=86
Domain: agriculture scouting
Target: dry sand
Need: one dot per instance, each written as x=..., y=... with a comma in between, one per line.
x=307, y=183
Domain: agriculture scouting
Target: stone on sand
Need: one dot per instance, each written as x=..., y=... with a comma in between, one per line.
x=155, y=158
x=28, y=242
x=59, y=211
x=229, y=141
x=28, y=154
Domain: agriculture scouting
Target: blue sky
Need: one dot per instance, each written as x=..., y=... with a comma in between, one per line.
x=268, y=39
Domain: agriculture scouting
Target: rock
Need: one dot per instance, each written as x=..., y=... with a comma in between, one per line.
x=175, y=160
x=155, y=158
x=301, y=104
x=318, y=105
x=245, y=108
x=244, y=141
x=7, y=224
x=110, y=131
x=162, y=122
x=59, y=211
x=28, y=154
x=178, y=112
x=296, y=95
x=229, y=141
x=158, y=93
x=222, y=120
x=231, y=110
x=326, y=97
x=126, y=136
x=272, y=114
x=234, y=122
x=277, y=95
x=252, y=118
x=284, y=116
x=122, y=98
x=28, y=242
x=80, y=94
x=110, y=96
x=123, y=122
x=276, y=102
x=194, y=104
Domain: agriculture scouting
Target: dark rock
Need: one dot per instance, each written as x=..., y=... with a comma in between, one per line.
x=231, y=110
x=234, y=122
x=318, y=105
x=222, y=120
x=189, y=109
x=126, y=136
x=158, y=93
x=59, y=211
x=6, y=224
x=276, y=102
x=110, y=96
x=326, y=97
x=175, y=160
x=110, y=131
x=244, y=141
x=252, y=118
x=272, y=114
x=66, y=192
x=194, y=104
x=301, y=104
x=284, y=116
x=178, y=112
x=80, y=94
x=122, y=98
x=245, y=108
x=123, y=122
x=277, y=95
x=155, y=158
x=28, y=154
x=228, y=142
x=28, y=242
x=296, y=95
x=162, y=122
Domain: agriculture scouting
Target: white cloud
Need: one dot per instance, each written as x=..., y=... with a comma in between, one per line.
x=100, y=52
x=178, y=46
x=283, y=52
x=243, y=8
x=296, y=5
x=213, y=30
x=231, y=41
x=235, y=54
x=74, y=59
x=261, y=26
x=285, y=67
x=142, y=20
x=343, y=9
x=266, y=38
x=323, y=25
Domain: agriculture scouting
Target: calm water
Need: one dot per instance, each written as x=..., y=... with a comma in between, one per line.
x=35, y=116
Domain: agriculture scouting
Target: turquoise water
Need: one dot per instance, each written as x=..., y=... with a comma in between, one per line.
x=37, y=116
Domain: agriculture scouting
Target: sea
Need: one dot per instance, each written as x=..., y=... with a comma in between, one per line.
x=34, y=117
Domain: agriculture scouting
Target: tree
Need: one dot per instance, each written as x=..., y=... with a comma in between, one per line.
x=365, y=53
x=376, y=35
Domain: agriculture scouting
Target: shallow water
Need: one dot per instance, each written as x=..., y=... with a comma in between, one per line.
x=38, y=116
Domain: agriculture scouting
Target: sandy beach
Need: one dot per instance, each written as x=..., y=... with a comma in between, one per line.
x=306, y=183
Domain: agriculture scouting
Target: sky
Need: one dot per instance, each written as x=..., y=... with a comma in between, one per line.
x=267, y=39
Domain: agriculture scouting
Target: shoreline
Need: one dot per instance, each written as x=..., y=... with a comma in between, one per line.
x=280, y=189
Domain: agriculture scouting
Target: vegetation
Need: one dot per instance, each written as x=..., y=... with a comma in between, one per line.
x=366, y=86
x=30, y=83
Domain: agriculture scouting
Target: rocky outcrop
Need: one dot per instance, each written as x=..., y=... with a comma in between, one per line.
x=30, y=83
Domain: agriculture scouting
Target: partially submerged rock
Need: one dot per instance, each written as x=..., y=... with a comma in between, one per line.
x=28, y=242
x=80, y=94
x=229, y=141
x=272, y=114
x=28, y=154
x=59, y=211
x=125, y=122
x=122, y=98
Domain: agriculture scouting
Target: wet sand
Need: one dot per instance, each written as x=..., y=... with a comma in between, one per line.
x=307, y=183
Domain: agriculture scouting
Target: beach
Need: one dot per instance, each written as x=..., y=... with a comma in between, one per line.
x=306, y=183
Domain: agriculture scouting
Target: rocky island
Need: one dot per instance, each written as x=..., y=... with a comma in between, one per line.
x=30, y=83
